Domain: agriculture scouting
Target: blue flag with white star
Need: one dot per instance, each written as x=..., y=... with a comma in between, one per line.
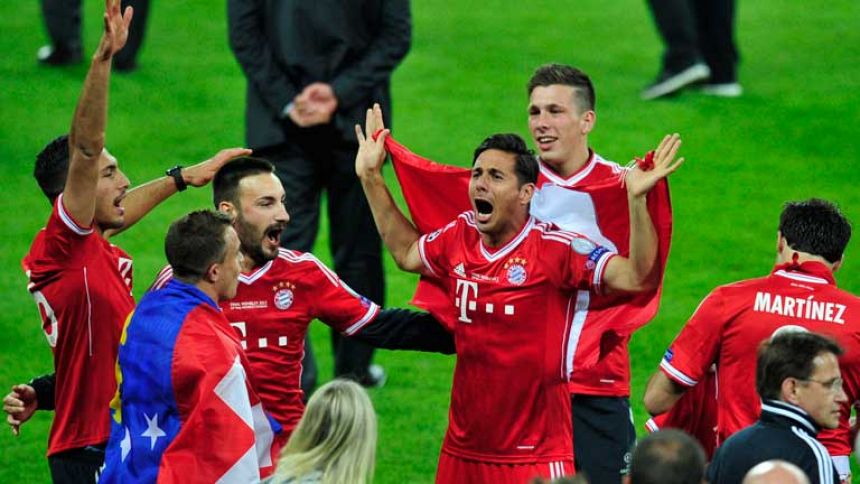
x=184, y=405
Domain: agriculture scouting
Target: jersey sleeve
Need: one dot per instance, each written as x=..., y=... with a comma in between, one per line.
x=695, y=348
x=336, y=304
x=435, y=248
x=575, y=261
x=63, y=235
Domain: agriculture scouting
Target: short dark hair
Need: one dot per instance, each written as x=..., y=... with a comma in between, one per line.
x=195, y=242
x=789, y=355
x=225, y=185
x=816, y=227
x=549, y=74
x=526, y=166
x=52, y=167
x=668, y=456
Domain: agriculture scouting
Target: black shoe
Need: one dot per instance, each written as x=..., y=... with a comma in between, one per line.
x=375, y=377
x=124, y=65
x=58, y=56
x=671, y=82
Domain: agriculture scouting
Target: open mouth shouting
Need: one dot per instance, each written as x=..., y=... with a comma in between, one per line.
x=117, y=204
x=483, y=210
x=273, y=234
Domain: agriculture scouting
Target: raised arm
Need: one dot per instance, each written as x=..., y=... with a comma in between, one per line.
x=398, y=234
x=87, y=135
x=143, y=198
x=638, y=272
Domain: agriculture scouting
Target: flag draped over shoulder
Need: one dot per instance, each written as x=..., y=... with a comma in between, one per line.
x=436, y=194
x=185, y=408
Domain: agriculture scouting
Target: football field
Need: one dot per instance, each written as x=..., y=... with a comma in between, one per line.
x=795, y=133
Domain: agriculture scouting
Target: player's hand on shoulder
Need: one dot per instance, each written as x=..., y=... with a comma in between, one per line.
x=639, y=182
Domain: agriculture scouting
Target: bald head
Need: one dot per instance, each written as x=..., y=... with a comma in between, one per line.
x=776, y=472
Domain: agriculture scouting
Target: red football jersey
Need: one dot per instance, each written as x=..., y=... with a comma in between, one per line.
x=521, y=316
x=730, y=323
x=611, y=375
x=273, y=307
x=82, y=287
x=695, y=413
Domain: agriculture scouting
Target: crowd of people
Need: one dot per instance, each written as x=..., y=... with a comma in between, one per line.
x=544, y=266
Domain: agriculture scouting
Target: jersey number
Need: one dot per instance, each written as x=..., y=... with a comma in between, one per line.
x=49, y=319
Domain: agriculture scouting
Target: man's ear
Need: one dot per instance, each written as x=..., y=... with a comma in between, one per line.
x=213, y=273
x=527, y=191
x=789, y=391
x=228, y=208
x=587, y=122
x=838, y=264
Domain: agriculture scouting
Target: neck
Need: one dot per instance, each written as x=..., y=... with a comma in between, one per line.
x=207, y=289
x=787, y=256
x=499, y=239
x=249, y=263
x=578, y=159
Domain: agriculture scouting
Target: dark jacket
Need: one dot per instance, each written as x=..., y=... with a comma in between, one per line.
x=783, y=431
x=284, y=45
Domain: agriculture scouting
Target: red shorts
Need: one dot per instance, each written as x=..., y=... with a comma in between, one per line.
x=454, y=470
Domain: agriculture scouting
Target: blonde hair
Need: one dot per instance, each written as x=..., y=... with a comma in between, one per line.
x=335, y=437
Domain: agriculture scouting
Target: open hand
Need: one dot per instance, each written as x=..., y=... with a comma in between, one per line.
x=640, y=182
x=203, y=172
x=116, y=29
x=371, y=153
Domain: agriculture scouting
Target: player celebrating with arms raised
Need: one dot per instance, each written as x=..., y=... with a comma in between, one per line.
x=513, y=282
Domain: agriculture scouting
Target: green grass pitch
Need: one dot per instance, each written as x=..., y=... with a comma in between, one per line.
x=793, y=134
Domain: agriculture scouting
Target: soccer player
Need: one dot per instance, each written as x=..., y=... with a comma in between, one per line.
x=81, y=283
x=729, y=324
x=281, y=291
x=561, y=114
x=185, y=408
x=513, y=282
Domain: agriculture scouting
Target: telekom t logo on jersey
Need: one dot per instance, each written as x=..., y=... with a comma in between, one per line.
x=467, y=300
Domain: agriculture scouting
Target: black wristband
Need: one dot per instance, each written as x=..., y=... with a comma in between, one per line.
x=176, y=174
x=44, y=387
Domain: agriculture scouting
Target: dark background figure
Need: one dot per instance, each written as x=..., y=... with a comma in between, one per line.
x=63, y=22
x=700, y=46
x=313, y=68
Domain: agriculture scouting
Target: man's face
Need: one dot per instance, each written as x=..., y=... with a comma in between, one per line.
x=498, y=200
x=556, y=124
x=821, y=394
x=261, y=216
x=110, y=190
x=228, y=278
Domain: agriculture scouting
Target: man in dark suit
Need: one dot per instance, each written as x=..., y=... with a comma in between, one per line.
x=313, y=68
x=63, y=22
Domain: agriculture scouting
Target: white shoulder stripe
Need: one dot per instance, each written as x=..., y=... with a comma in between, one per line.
x=677, y=375
x=422, y=253
x=68, y=221
x=822, y=457
x=369, y=316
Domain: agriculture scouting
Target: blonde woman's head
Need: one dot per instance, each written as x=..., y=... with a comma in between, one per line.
x=336, y=437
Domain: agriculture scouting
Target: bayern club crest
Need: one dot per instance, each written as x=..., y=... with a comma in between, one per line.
x=284, y=299
x=516, y=271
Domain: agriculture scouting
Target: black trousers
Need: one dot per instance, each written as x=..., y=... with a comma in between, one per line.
x=63, y=21
x=319, y=160
x=603, y=437
x=694, y=30
x=77, y=466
